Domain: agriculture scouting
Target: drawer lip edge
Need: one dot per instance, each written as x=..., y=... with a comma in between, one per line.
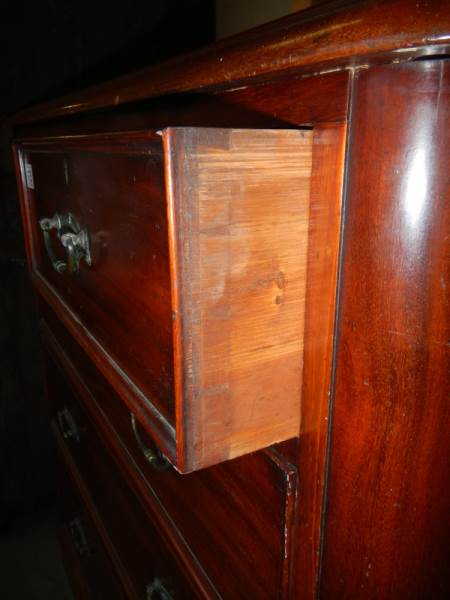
x=72, y=141
x=163, y=432
x=287, y=477
x=191, y=567
x=91, y=508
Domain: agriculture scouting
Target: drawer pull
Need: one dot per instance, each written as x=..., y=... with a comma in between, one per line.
x=72, y=236
x=156, y=591
x=79, y=537
x=67, y=425
x=154, y=457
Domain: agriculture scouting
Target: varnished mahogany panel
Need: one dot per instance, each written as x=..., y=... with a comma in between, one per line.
x=336, y=35
x=114, y=187
x=242, y=508
x=86, y=561
x=323, y=254
x=387, y=524
x=388, y=484
x=278, y=104
x=135, y=547
x=289, y=102
x=283, y=102
x=236, y=230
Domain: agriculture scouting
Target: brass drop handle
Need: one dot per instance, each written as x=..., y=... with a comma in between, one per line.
x=74, y=239
x=157, y=591
x=79, y=537
x=67, y=425
x=156, y=458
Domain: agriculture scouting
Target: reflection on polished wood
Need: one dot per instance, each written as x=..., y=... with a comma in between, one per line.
x=356, y=506
x=206, y=346
x=388, y=502
x=340, y=34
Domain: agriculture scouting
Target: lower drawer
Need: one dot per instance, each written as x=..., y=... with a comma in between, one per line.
x=144, y=565
x=88, y=567
x=237, y=517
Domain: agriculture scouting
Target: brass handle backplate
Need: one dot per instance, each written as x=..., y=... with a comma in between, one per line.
x=157, y=591
x=67, y=425
x=79, y=537
x=74, y=239
x=154, y=457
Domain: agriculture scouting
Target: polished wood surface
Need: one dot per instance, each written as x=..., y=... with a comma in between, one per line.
x=114, y=186
x=243, y=508
x=238, y=214
x=339, y=34
x=86, y=561
x=322, y=271
x=365, y=485
x=236, y=228
x=289, y=102
x=387, y=527
x=281, y=103
x=138, y=552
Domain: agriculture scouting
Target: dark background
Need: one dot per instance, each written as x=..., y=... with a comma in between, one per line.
x=49, y=48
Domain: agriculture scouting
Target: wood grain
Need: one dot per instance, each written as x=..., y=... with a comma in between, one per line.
x=221, y=265
x=238, y=214
x=337, y=35
x=387, y=527
x=134, y=545
x=281, y=103
x=91, y=575
x=243, y=508
x=284, y=103
x=323, y=255
x=114, y=186
x=387, y=494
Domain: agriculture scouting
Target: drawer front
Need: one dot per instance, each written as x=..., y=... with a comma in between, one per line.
x=238, y=514
x=140, y=556
x=178, y=261
x=113, y=187
x=90, y=571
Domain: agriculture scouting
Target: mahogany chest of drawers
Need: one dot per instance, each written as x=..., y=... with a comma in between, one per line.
x=241, y=261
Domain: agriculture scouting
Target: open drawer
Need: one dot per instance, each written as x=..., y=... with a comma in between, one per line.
x=177, y=259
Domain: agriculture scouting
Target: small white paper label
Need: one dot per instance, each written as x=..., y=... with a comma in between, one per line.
x=29, y=176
